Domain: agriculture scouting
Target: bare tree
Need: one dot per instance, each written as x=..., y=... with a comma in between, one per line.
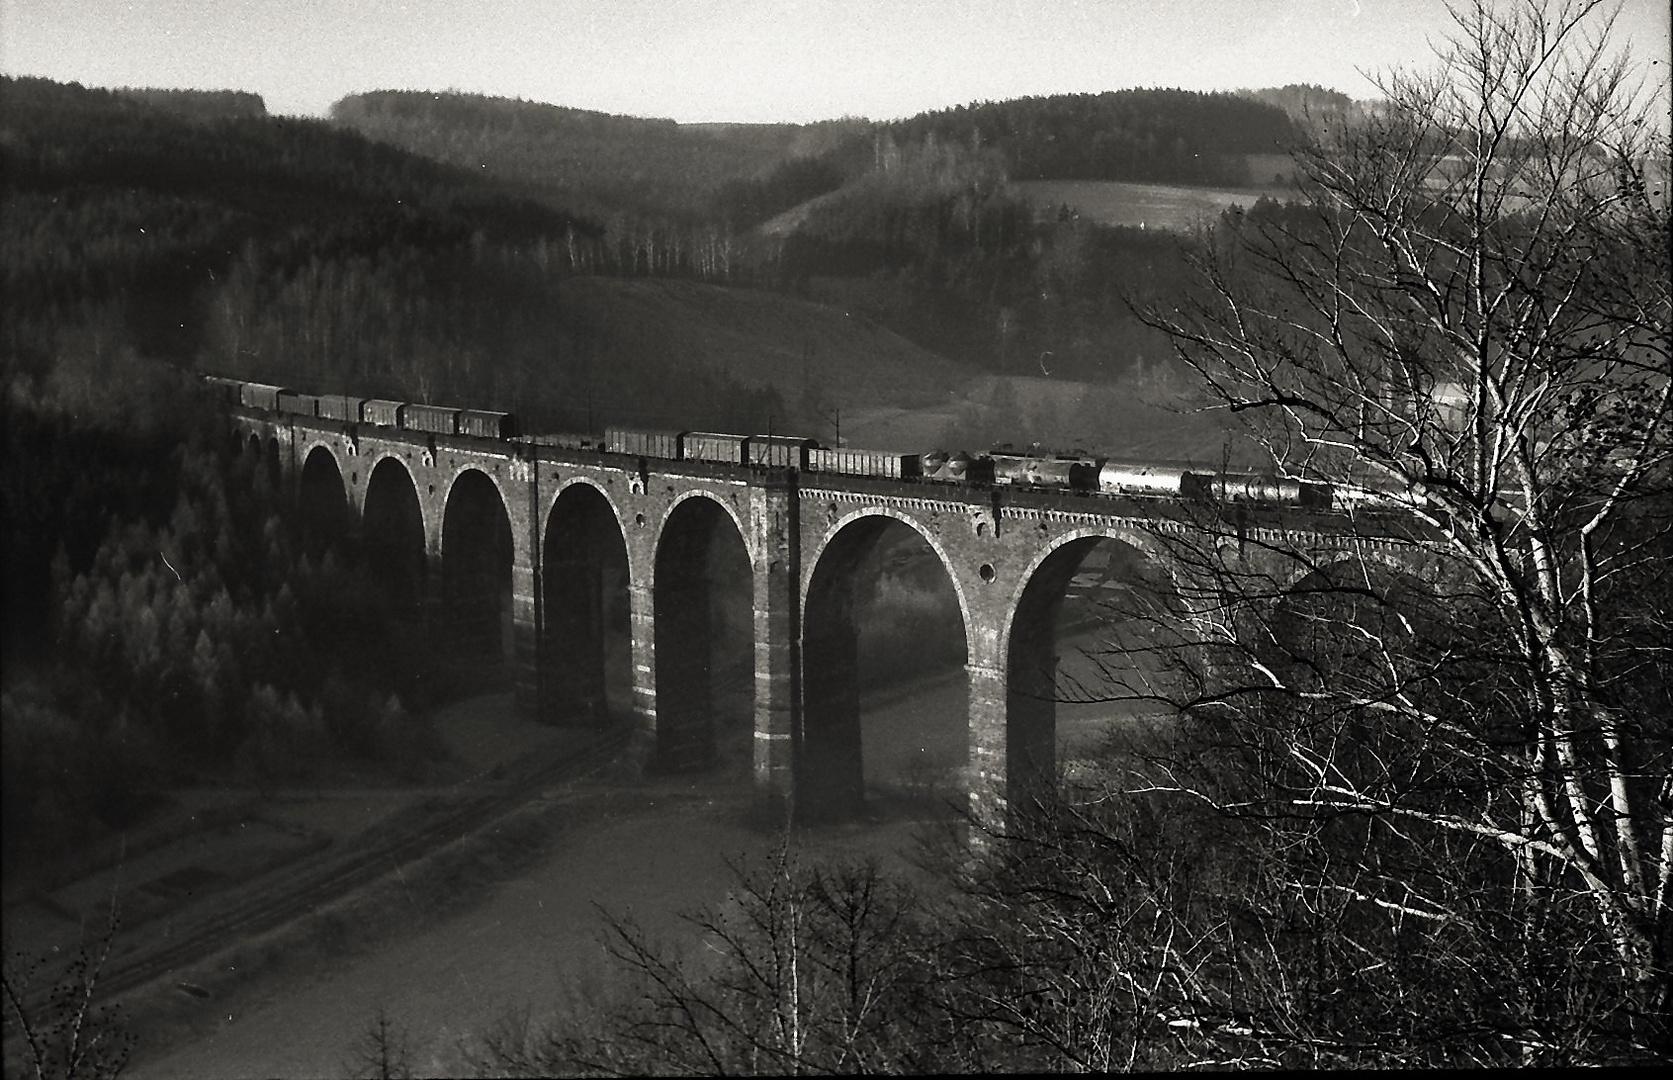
x=1464, y=327
x=64, y=1033
x=802, y=970
x=383, y=1051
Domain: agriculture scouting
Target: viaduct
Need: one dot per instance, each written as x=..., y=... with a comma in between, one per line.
x=560, y=533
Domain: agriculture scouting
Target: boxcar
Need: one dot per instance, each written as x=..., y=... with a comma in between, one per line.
x=866, y=463
x=340, y=407
x=299, y=404
x=437, y=419
x=223, y=389
x=382, y=412
x=485, y=424
x=713, y=446
x=568, y=441
x=259, y=395
x=656, y=444
x=780, y=451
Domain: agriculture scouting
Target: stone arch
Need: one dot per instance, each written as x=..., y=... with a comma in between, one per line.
x=603, y=491
x=1296, y=569
x=393, y=532
x=512, y=507
x=1346, y=607
x=584, y=579
x=725, y=504
x=703, y=650
x=328, y=445
x=322, y=501
x=1135, y=539
x=478, y=552
x=834, y=764
x=1029, y=645
x=360, y=467
x=917, y=526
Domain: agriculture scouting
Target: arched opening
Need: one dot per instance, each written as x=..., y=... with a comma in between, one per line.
x=322, y=502
x=587, y=658
x=392, y=569
x=1361, y=686
x=476, y=571
x=885, y=701
x=1092, y=666
x=392, y=532
x=705, y=686
x=1349, y=623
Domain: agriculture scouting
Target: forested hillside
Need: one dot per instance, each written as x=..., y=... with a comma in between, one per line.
x=202, y=104
x=291, y=251
x=911, y=223
x=601, y=163
x=1305, y=103
x=1159, y=136
x=161, y=619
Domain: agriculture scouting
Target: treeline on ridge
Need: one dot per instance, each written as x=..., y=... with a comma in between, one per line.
x=1153, y=136
x=289, y=250
x=912, y=223
x=597, y=162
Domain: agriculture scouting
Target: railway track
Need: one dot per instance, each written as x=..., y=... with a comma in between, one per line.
x=290, y=892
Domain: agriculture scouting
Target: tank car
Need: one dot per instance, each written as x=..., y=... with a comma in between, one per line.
x=1144, y=478
x=1074, y=473
x=713, y=446
x=1267, y=488
x=779, y=451
x=435, y=419
x=656, y=444
x=866, y=463
x=487, y=424
x=957, y=467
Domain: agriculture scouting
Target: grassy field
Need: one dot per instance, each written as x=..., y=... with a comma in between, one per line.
x=1150, y=206
x=763, y=338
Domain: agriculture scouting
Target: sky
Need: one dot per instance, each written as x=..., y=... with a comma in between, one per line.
x=740, y=61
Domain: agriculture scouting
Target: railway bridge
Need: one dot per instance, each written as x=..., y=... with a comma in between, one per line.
x=546, y=543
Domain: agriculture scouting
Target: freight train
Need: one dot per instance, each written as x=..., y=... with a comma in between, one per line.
x=1076, y=473
x=378, y=412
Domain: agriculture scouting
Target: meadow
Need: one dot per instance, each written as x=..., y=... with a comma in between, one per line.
x=1145, y=206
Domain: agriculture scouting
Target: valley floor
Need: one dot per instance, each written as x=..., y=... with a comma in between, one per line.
x=528, y=936
x=649, y=849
